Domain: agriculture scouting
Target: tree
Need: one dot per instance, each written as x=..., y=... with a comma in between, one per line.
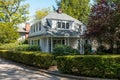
x=78, y=9
x=104, y=23
x=39, y=14
x=12, y=11
x=7, y=33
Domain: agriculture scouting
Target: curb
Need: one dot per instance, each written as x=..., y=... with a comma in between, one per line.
x=56, y=73
x=65, y=75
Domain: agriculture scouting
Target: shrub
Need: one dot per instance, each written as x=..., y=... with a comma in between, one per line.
x=10, y=46
x=87, y=48
x=60, y=50
x=105, y=66
x=26, y=47
x=39, y=59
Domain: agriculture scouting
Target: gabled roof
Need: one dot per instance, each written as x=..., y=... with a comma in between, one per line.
x=60, y=16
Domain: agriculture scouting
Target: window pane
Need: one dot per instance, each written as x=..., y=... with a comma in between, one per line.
x=67, y=25
x=63, y=25
x=59, y=24
x=39, y=26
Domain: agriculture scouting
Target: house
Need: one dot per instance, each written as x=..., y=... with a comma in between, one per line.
x=57, y=28
x=23, y=32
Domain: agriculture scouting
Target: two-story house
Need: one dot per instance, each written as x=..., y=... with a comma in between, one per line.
x=56, y=28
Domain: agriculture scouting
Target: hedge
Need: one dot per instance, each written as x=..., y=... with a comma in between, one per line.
x=102, y=66
x=38, y=59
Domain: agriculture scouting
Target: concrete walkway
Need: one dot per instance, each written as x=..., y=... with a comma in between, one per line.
x=11, y=71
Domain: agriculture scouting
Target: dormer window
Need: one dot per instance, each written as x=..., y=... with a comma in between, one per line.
x=59, y=24
x=63, y=25
x=67, y=25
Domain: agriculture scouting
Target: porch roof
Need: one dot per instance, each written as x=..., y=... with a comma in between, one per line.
x=59, y=33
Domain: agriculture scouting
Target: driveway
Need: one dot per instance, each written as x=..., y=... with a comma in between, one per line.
x=12, y=71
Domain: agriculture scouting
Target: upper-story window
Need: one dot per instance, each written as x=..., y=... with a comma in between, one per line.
x=67, y=25
x=59, y=24
x=39, y=26
x=63, y=25
x=36, y=26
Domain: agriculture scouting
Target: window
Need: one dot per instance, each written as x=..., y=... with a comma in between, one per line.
x=39, y=26
x=59, y=24
x=36, y=27
x=63, y=25
x=67, y=25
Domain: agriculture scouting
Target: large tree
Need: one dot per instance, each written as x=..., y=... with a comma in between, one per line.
x=104, y=23
x=39, y=14
x=13, y=11
x=7, y=33
x=78, y=9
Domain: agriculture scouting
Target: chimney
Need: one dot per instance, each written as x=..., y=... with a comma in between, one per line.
x=59, y=10
x=27, y=27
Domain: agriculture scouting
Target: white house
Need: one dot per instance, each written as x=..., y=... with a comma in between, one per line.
x=57, y=28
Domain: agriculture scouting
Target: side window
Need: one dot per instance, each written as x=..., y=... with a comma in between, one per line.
x=36, y=27
x=39, y=26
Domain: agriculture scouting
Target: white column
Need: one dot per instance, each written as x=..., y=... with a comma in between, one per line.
x=47, y=45
x=68, y=41
x=51, y=44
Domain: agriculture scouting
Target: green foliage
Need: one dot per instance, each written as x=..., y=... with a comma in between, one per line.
x=39, y=14
x=13, y=11
x=10, y=46
x=78, y=9
x=87, y=48
x=60, y=50
x=8, y=33
x=19, y=47
x=106, y=66
x=38, y=59
x=27, y=48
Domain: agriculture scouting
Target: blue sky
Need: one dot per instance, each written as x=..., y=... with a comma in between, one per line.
x=39, y=4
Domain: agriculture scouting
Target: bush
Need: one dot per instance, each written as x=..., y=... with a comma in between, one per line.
x=26, y=47
x=60, y=50
x=39, y=59
x=10, y=46
x=105, y=66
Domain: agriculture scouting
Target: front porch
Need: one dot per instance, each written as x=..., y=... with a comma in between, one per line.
x=48, y=44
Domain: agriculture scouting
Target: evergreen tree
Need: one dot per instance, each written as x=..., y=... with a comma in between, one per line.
x=78, y=9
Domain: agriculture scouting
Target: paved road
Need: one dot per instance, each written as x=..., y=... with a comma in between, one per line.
x=12, y=71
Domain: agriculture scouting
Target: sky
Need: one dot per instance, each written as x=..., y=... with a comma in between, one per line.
x=39, y=4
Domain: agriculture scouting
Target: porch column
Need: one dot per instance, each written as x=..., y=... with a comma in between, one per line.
x=68, y=41
x=51, y=44
x=47, y=45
